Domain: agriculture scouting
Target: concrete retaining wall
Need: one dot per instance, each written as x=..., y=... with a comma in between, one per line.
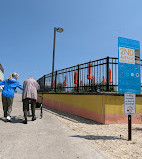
x=102, y=108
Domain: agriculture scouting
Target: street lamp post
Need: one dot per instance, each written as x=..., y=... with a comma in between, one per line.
x=60, y=30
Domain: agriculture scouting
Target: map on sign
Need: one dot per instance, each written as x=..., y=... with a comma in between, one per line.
x=129, y=103
x=128, y=66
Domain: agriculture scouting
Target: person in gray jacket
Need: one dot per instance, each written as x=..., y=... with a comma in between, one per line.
x=30, y=87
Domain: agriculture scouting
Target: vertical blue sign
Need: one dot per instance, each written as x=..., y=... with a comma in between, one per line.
x=129, y=66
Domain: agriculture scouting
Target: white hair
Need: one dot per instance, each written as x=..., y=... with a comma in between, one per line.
x=31, y=77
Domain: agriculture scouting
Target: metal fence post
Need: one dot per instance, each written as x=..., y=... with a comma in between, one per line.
x=55, y=80
x=44, y=82
x=78, y=79
x=89, y=77
x=40, y=83
x=107, y=71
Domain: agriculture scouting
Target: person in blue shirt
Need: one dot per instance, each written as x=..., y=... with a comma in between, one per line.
x=10, y=84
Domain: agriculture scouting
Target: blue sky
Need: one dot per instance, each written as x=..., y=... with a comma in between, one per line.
x=91, y=31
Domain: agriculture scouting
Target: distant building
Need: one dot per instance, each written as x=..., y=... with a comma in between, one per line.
x=1, y=73
x=1, y=76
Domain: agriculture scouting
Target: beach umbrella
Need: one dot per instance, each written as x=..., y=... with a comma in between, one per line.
x=81, y=82
x=92, y=79
x=75, y=78
x=104, y=81
x=89, y=70
x=110, y=81
x=65, y=82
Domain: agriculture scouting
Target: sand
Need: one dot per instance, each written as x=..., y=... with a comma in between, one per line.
x=110, y=140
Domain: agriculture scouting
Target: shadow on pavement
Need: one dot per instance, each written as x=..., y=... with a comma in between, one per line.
x=137, y=129
x=4, y=120
x=14, y=120
x=71, y=117
x=92, y=137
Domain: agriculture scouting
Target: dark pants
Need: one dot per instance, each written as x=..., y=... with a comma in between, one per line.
x=7, y=105
x=26, y=103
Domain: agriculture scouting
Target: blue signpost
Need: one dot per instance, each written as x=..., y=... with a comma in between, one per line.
x=129, y=73
x=129, y=66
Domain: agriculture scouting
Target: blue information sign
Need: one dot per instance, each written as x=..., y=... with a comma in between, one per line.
x=128, y=66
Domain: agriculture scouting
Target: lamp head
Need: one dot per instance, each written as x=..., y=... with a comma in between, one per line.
x=60, y=30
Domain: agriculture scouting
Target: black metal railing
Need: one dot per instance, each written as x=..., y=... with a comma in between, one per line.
x=94, y=76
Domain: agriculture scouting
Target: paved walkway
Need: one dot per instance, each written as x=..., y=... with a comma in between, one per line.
x=45, y=138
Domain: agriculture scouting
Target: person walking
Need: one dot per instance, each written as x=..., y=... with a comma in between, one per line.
x=10, y=84
x=30, y=87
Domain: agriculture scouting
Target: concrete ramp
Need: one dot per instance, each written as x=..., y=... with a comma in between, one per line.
x=45, y=138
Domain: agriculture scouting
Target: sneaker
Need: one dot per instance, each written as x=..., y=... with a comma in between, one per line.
x=8, y=118
x=33, y=118
x=25, y=121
